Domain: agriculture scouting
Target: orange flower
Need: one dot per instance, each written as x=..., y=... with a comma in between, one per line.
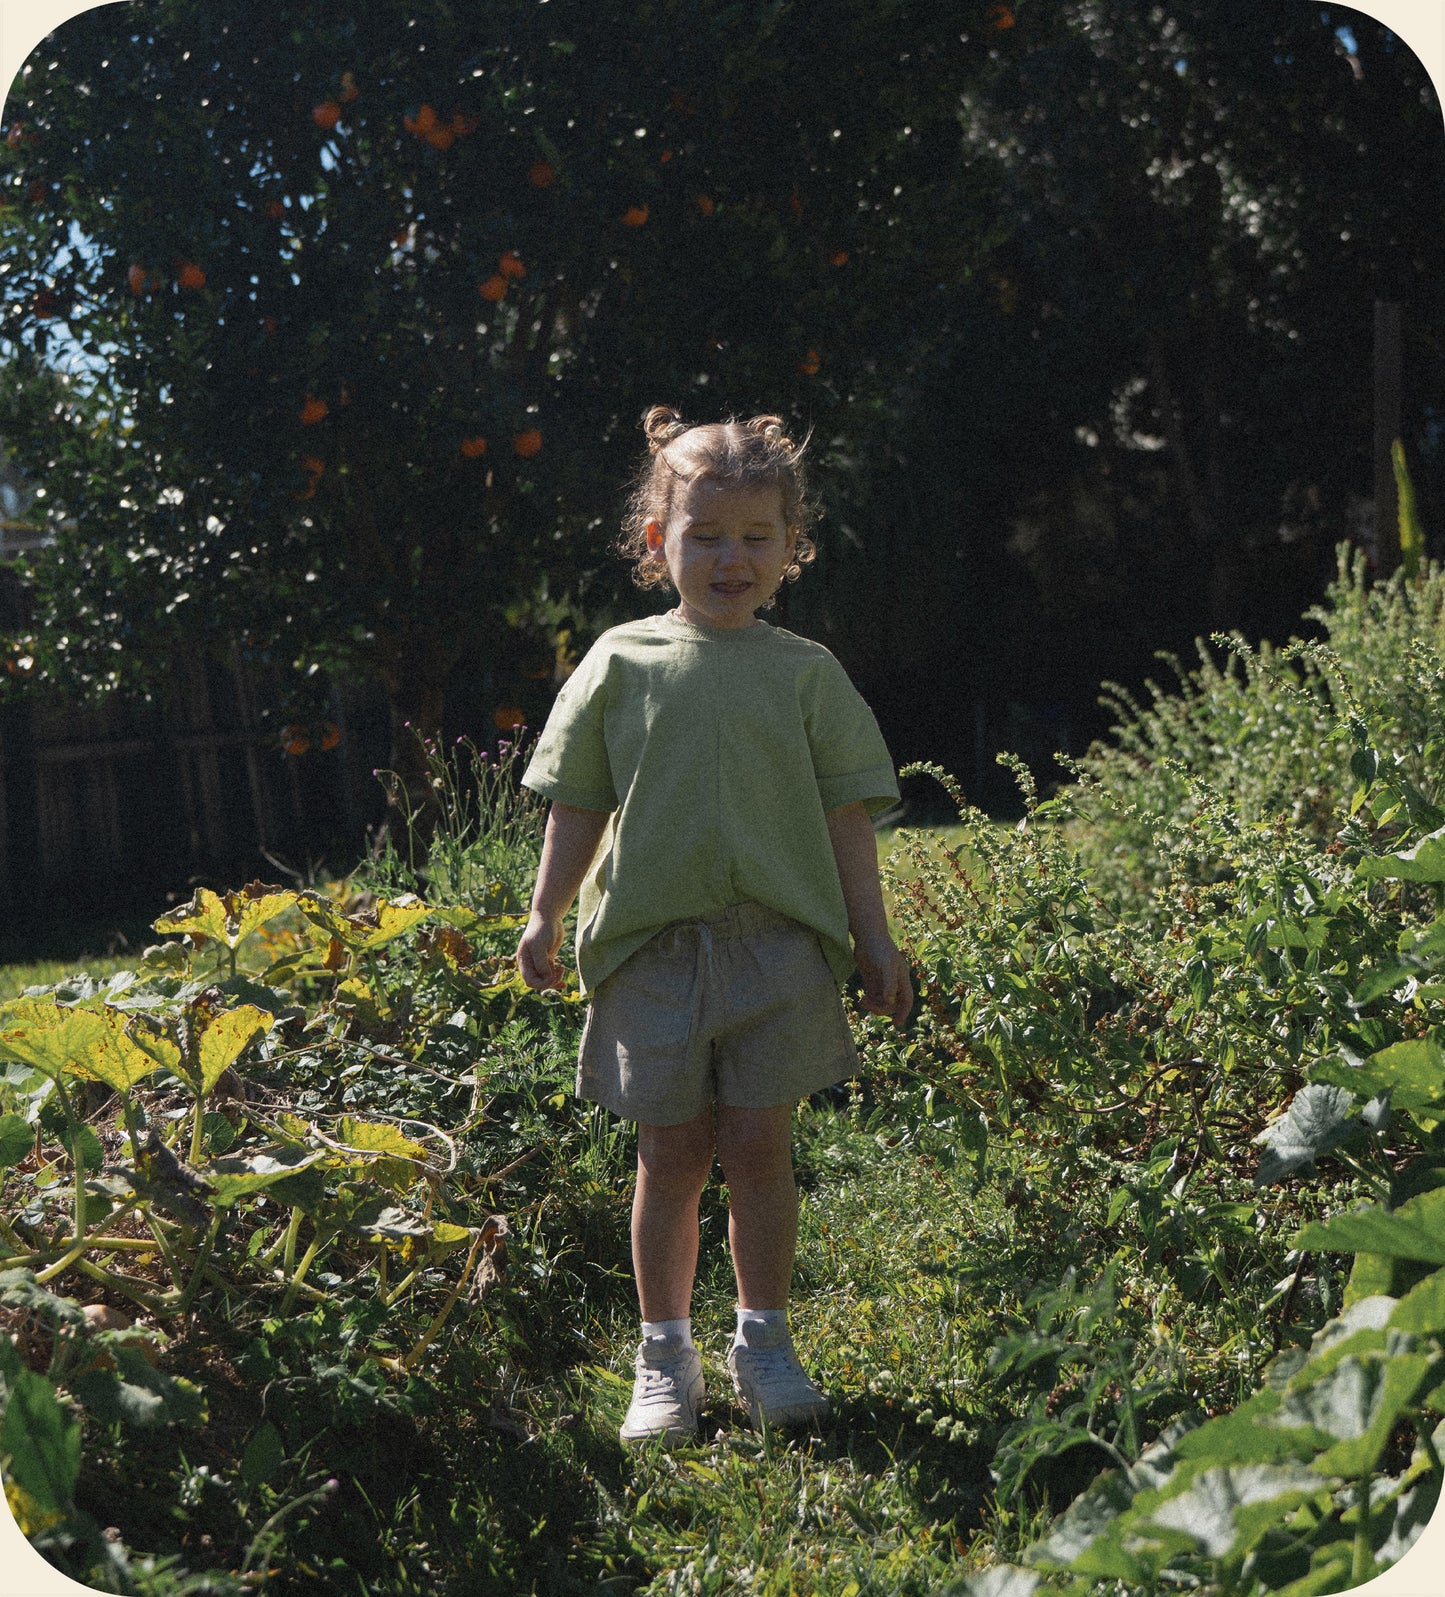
x=508, y=717
x=810, y=363
x=422, y=124
x=494, y=289
x=440, y=138
x=314, y=465
x=540, y=175
x=510, y=265
x=704, y=204
x=312, y=411
x=462, y=125
x=330, y=735
x=634, y=216
x=326, y=115
x=349, y=90
x=1001, y=17
x=839, y=257
x=294, y=739
x=665, y=157
x=191, y=276
x=136, y=277
x=528, y=443
x=472, y=447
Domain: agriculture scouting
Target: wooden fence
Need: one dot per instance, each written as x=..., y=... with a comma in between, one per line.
x=124, y=807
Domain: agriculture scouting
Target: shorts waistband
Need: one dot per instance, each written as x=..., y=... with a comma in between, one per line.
x=736, y=920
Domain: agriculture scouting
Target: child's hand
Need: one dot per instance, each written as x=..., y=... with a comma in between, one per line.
x=536, y=954
x=887, y=986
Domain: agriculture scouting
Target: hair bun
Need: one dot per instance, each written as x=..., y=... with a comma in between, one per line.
x=770, y=427
x=662, y=424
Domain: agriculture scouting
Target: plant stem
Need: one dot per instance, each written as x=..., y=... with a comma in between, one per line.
x=172, y=1263
x=288, y=1255
x=401, y=1286
x=429, y=1335
x=318, y=1242
x=80, y=1245
x=1363, y=1563
x=127, y=1286
x=203, y=1256
x=197, y=1116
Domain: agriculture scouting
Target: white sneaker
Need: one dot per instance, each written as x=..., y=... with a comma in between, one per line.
x=666, y=1394
x=768, y=1378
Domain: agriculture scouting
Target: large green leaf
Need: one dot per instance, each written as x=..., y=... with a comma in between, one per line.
x=1412, y=1072
x=1421, y=1311
x=20, y=1290
x=238, y=1177
x=1003, y=1580
x=1425, y=862
x=137, y=1393
x=1357, y=1402
x=265, y=1454
x=17, y=1138
x=1416, y=1230
x=43, y=1442
x=73, y=1042
x=1227, y=1509
x=1319, y=1118
x=1254, y=1433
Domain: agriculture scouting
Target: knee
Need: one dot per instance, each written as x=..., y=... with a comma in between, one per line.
x=754, y=1152
x=676, y=1157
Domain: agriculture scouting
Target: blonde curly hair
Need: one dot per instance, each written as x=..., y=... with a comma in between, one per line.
x=742, y=454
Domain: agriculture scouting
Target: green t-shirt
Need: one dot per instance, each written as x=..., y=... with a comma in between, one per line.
x=718, y=752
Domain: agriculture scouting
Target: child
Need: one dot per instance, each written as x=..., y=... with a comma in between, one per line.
x=712, y=779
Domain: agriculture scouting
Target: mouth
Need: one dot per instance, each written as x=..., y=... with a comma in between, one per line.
x=730, y=589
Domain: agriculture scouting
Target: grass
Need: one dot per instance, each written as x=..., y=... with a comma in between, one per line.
x=502, y=1472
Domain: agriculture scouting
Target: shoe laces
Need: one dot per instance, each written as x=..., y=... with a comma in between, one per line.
x=660, y=1379
x=774, y=1366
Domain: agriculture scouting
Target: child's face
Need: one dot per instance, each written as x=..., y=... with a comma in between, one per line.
x=726, y=549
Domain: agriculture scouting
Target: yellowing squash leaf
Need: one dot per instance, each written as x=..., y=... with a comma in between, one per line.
x=73, y=1042
x=387, y=919
x=227, y=918
x=227, y=1037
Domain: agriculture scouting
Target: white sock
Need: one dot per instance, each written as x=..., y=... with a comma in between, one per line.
x=681, y=1329
x=762, y=1317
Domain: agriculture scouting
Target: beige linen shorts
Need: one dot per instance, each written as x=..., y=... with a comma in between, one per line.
x=738, y=1007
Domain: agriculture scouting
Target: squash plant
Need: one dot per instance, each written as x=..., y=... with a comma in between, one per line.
x=1329, y=1473
x=152, y=1157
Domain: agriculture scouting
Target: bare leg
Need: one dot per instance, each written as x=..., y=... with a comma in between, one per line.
x=672, y=1168
x=756, y=1152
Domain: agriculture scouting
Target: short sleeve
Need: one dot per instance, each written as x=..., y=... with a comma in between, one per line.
x=850, y=758
x=569, y=763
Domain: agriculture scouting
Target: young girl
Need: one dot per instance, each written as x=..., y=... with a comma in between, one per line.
x=712, y=779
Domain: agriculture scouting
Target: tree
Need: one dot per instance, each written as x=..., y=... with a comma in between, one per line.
x=369, y=300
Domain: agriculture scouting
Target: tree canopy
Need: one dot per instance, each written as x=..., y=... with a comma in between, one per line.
x=374, y=297
x=365, y=301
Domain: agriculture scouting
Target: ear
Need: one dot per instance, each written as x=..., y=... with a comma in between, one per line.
x=654, y=534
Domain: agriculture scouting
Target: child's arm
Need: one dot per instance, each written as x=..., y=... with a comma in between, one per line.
x=887, y=989
x=568, y=849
